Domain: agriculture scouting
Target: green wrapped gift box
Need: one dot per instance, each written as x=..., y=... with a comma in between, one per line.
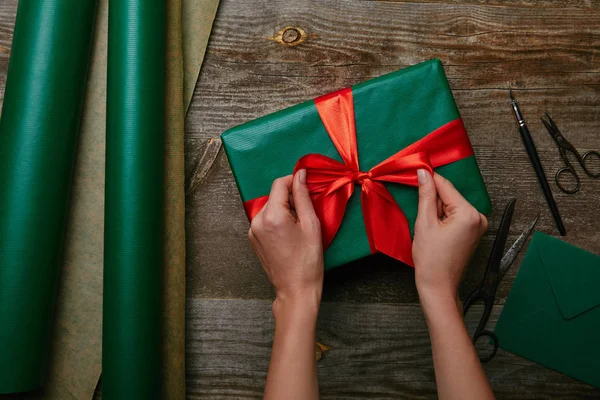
x=390, y=113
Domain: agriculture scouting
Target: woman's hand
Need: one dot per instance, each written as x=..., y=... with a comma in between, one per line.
x=447, y=232
x=286, y=237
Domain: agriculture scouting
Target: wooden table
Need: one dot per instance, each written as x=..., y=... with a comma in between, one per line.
x=266, y=55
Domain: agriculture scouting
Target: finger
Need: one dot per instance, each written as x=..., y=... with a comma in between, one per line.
x=440, y=208
x=448, y=193
x=302, y=201
x=251, y=237
x=428, y=199
x=483, y=223
x=280, y=192
x=292, y=206
x=444, y=211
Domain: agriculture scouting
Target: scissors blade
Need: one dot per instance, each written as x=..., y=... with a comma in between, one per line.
x=555, y=132
x=501, y=237
x=516, y=248
x=549, y=126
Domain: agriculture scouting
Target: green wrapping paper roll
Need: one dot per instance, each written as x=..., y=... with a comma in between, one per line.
x=38, y=140
x=131, y=354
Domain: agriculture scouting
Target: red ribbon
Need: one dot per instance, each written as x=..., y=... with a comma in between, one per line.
x=331, y=183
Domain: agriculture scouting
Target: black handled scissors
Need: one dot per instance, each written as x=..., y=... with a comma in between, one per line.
x=496, y=269
x=565, y=146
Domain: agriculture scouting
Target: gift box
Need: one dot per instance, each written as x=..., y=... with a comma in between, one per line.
x=361, y=147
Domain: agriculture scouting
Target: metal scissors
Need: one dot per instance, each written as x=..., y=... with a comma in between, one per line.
x=496, y=269
x=563, y=147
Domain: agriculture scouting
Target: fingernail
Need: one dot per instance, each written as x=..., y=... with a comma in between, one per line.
x=302, y=175
x=422, y=176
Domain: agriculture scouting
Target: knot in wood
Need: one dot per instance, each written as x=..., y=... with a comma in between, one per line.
x=291, y=35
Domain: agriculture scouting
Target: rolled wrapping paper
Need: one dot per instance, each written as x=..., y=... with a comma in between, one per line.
x=173, y=328
x=133, y=242
x=38, y=140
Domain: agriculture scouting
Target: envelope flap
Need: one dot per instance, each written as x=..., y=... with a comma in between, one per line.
x=574, y=275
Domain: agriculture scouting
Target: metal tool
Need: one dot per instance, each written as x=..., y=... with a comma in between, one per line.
x=565, y=146
x=496, y=269
x=537, y=165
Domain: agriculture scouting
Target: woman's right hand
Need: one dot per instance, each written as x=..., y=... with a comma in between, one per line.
x=447, y=232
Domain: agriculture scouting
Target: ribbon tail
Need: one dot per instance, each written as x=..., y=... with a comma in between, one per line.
x=330, y=184
x=254, y=206
x=330, y=207
x=386, y=225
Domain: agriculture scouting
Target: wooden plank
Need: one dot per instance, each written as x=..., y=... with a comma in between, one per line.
x=482, y=47
x=8, y=12
x=378, y=352
x=509, y=3
x=554, y=65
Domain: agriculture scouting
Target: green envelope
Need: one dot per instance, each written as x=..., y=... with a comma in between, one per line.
x=552, y=314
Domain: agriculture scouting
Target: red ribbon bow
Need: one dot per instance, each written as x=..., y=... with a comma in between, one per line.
x=331, y=183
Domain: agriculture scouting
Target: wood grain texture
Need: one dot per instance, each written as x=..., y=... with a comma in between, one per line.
x=509, y=3
x=550, y=54
x=378, y=351
x=549, y=51
x=204, y=164
x=8, y=12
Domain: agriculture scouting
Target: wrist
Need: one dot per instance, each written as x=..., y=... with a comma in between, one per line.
x=303, y=306
x=439, y=303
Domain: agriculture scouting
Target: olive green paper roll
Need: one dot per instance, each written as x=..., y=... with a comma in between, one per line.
x=133, y=225
x=173, y=307
x=38, y=141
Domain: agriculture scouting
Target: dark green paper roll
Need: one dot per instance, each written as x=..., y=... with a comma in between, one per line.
x=38, y=141
x=131, y=354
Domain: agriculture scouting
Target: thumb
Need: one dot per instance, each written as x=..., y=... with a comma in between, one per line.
x=302, y=201
x=428, y=204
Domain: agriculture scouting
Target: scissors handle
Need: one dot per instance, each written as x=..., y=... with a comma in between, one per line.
x=584, y=159
x=475, y=296
x=478, y=295
x=569, y=170
x=493, y=339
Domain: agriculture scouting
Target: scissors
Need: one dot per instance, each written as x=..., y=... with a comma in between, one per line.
x=563, y=147
x=496, y=269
